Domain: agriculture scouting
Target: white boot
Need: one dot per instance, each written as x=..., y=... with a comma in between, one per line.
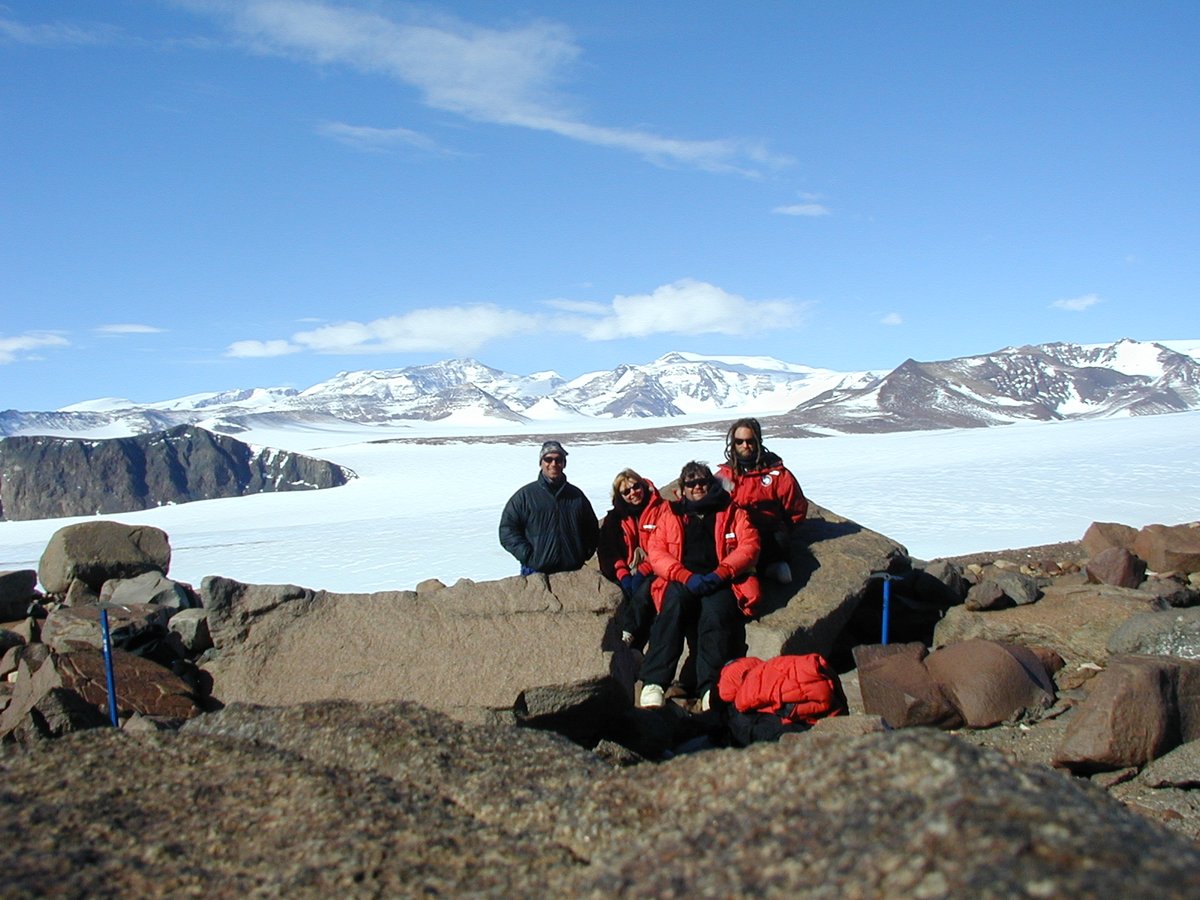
x=652, y=697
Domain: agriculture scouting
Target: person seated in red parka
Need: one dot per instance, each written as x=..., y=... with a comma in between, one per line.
x=760, y=483
x=703, y=554
x=636, y=506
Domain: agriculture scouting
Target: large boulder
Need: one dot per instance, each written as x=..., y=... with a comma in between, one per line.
x=1169, y=548
x=94, y=552
x=389, y=800
x=76, y=627
x=989, y=682
x=832, y=560
x=462, y=649
x=1136, y=710
x=1101, y=536
x=1170, y=632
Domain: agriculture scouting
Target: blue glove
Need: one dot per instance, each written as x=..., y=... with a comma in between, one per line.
x=637, y=579
x=627, y=585
x=526, y=570
x=700, y=585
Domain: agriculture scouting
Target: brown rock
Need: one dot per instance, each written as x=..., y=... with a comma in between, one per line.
x=1116, y=566
x=986, y=595
x=73, y=627
x=1136, y=709
x=17, y=590
x=94, y=552
x=141, y=686
x=989, y=682
x=1102, y=536
x=832, y=559
x=1073, y=621
x=462, y=649
x=1169, y=548
x=901, y=691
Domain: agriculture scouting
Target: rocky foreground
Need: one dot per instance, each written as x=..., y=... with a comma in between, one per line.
x=1031, y=728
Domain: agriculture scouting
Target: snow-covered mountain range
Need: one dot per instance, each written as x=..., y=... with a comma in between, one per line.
x=1047, y=381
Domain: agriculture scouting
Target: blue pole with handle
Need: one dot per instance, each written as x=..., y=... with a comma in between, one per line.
x=110, y=680
x=887, y=579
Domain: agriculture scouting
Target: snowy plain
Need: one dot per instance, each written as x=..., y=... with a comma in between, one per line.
x=430, y=510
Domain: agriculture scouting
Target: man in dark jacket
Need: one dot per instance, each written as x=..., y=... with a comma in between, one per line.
x=549, y=525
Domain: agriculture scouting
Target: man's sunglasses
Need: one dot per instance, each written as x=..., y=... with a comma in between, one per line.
x=748, y=441
x=698, y=482
x=552, y=460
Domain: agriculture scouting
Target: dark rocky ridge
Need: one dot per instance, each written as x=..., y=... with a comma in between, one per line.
x=47, y=477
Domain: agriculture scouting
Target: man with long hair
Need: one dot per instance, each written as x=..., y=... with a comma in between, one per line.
x=759, y=482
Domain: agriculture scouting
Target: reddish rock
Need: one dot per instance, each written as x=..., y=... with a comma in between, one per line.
x=1102, y=536
x=1169, y=548
x=901, y=691
x=1116, y=566
x=989, y=682
x=94, y=552
x=1135, y=711
x=865, y=654
x=71, y=684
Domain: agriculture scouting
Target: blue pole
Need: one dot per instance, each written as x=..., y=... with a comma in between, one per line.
x=106, y=644
x=887, y=602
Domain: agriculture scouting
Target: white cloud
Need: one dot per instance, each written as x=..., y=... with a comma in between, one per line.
x=686, y=307
x=500, y=76
x=1077, y=304
x=24, y=346
x=802, y=209
x=260, y=349
x=56, y=34
x=892, y=318
x=129, y=328
x=363, y=137
x=690, y=307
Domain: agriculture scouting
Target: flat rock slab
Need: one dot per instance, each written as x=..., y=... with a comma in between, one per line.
x=389, y=800
x=1075, y=621
x=832, y=559
x=460, y=649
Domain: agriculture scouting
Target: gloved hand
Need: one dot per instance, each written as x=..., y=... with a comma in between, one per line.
x=627, y=585
x=700, y=585
x=638, y=580
x=527, y=570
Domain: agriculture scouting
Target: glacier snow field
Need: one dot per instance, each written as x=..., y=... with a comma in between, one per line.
x=431, y=510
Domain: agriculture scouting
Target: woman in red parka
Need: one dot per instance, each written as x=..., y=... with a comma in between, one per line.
x=636, y=506
x=703, y=552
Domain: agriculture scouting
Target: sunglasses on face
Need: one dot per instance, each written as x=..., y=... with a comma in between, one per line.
x=633, y=489
x=553, y=460
x=749, y=442
x=697, y=482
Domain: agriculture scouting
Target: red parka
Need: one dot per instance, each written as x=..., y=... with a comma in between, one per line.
x=737, y=545
x=622, y=534
x=770, y=493
x=797, y=688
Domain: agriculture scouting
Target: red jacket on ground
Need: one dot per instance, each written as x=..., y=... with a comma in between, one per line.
x=737, y=546
x=623, y=534
x=797, y=688
x=770, y=493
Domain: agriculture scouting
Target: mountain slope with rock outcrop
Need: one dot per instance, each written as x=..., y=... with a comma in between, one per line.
x=47, y=477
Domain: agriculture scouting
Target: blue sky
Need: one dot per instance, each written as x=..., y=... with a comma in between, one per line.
x=200, y=196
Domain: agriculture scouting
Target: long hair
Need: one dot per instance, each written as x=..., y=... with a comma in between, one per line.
x=731, y=456
x=626, y=476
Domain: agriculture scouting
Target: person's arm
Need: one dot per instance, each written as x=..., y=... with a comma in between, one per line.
x=512, y=530
x=745, y=553
x=611, y=551
x=791, y=498
x=589, y=528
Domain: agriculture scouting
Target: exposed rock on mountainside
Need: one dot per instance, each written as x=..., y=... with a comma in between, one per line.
x=44, y=477
x=1048, y=381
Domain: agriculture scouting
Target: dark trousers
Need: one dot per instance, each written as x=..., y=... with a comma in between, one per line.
x=714, y=617
x=637, y=614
